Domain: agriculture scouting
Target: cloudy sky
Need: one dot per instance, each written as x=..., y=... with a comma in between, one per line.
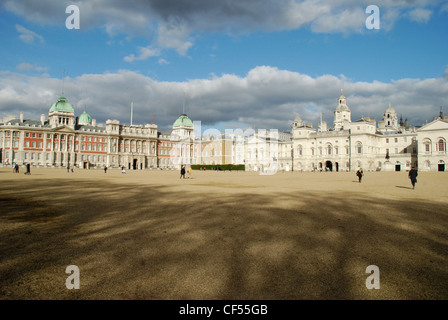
x=232, y=63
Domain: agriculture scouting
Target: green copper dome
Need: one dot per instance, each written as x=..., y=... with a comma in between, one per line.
x=184, y=121
x=85, y=118
x=62, y=105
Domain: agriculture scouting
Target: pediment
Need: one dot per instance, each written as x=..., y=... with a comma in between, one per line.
x=437, y=124
x=63, y=129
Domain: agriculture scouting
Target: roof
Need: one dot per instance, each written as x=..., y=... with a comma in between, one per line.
x=184, y=121
x=62, y=105
x=85, y=118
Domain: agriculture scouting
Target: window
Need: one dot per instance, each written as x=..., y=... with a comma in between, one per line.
x=427, y=147
x=396, y=139
x=387, y=140
x=329, y=149
x=441, y=145
x=359, y=148
x=34, y=135
x=27, y=134
x=27, y=144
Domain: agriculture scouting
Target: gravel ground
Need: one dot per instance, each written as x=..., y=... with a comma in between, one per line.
x=222, y=235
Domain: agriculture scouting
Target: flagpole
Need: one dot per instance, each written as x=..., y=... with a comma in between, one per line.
x=132, y=110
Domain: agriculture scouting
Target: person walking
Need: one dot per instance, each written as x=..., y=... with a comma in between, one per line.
x=189, y=172
x=413, y=176
x=105, y=169
x=182, y=172
x=359, y=174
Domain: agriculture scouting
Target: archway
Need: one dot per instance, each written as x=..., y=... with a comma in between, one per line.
x=328, y=166
x=441, y=165
x=337, y=166
x=398, y=166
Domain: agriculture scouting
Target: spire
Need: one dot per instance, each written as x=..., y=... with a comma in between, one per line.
x=63, y=79
x=441, y=113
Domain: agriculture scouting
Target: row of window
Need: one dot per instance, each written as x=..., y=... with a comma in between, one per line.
x=440, y=145
x=63, y=136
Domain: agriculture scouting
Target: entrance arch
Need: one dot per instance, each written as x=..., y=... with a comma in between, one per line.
x=441, y=165
x=329, y=165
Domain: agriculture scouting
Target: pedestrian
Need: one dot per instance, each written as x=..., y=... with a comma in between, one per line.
x=68, y=168
x=122, y=170
x=359, y=174
x=73, y=168
x=13, y=167
x=189, y=172
x=105, y=169
x=413, y=176
x=182, y=172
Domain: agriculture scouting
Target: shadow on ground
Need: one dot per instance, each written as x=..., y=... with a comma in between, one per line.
x=149, y=242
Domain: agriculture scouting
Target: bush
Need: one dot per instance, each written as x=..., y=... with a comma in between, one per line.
x=239, y=167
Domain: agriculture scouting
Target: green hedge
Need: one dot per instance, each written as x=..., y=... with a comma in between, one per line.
x=232, y=167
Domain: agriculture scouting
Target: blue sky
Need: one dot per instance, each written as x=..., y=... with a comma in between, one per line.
x=251, y=62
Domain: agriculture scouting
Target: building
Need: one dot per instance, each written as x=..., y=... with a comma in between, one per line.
x=64, y=140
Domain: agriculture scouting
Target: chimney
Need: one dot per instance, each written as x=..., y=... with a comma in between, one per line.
x=93, y=122
x=42, y=119
x=21, y=117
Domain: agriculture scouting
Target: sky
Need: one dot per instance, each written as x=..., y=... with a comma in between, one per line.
x=227, y=63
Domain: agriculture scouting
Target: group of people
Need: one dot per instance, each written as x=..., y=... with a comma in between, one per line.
x=183, y=171
x=413, y=173
x=15, y=168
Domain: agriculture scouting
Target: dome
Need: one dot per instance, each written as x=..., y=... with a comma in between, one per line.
x=183, y=120
x=298, y=119
x=62, y=105
x=85, y=118
x=390, y=109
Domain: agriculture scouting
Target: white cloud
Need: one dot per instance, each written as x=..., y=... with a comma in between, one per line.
x=173, y=24
x=420, y=15
x=30, y=67
x=266, y=97
x=163, y=61
x=145, y=53
x=28, y=36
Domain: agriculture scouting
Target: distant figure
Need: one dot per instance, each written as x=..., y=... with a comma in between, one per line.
x=73, y=168
x=17, y=168
x=28, y=169
x=13, y=167
x=359, y=173
x=189, y=172
x=122, y=170
x=182, y=172
x=68, y=168
x=105, y=169
x=413, y=176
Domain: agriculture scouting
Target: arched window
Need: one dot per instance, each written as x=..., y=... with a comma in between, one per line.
x=329, y=149
x=441, y=145
x=359, y=148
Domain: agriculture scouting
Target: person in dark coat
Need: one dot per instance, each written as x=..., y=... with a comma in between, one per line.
x=413, y=176
x=182, y=172
x=359, y=173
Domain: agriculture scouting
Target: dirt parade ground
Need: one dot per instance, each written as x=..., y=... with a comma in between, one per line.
x=222, y=235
